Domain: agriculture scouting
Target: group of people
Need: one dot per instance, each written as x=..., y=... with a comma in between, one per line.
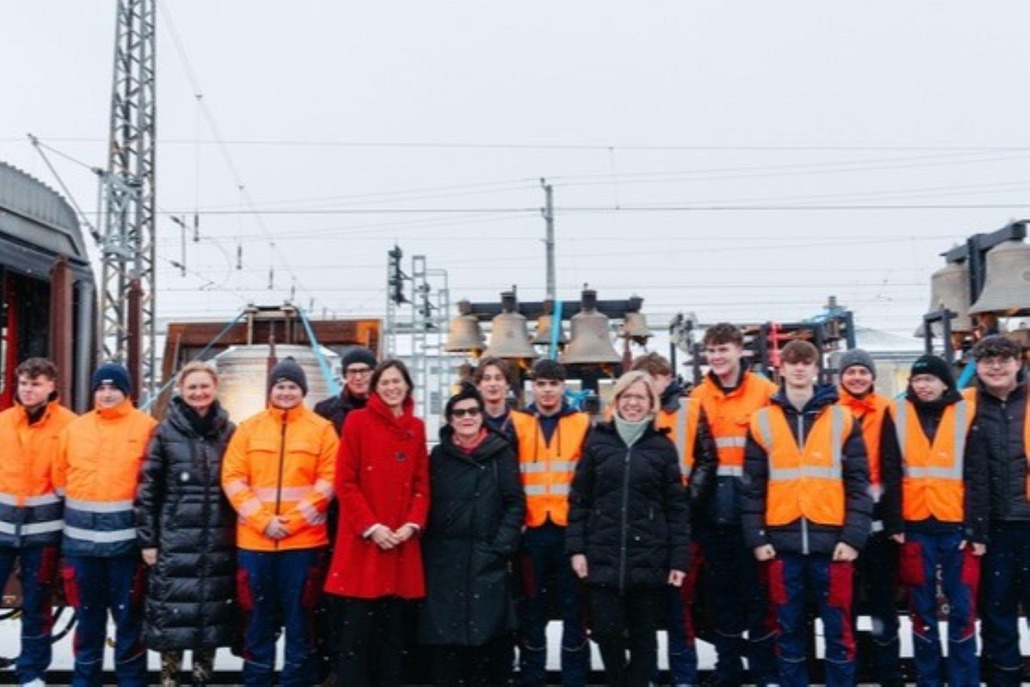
x=338, y=528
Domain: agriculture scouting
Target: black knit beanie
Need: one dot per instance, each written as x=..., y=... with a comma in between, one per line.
x=933, y=365
x=288, y=370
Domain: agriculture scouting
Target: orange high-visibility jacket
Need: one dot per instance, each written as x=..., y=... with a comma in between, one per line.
x=729, y=416
x=682, y=424
x=869, y=411
x=30, y=508
x=548, y=467
x=281, y=462
x=932, y=483
x=804, y=482
x=97, y=469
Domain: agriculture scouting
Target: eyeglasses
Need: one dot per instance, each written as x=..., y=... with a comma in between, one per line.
x=995, y=361
x=357, y=371
x=462, y=412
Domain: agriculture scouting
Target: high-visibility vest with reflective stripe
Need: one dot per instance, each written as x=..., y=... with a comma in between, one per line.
x=682, y=426
x=804, y=481
x=870, y=412
x=547, y=467
x=729, y=414
x=98, y=466
x=30, y=509
x=932, y=473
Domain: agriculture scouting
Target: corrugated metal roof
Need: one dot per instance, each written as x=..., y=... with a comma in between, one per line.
x=31, y=211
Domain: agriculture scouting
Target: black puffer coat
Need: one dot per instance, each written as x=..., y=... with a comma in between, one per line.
x=475, y=521
x=182, y=512
x=628, y=510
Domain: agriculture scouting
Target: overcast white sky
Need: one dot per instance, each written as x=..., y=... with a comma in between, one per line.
x=742, y=160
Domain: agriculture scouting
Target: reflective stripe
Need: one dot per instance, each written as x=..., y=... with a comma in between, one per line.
x=548, y=466
x=98, y=506
x=234, y=487
x=100, y=537
x=960, y=436
x=249, y=507
x=731, y=442
x=729, y=471
x=765, y=429
x=32, y=528
x=545, y=489
x=270, y=494
x=804, y=472
x=324, y=487
x=8, y=499
x=681, y=434
x=833, y=471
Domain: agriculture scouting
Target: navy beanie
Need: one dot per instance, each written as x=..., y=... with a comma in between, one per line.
x=114, y=374
x=358, y=354
x=933, y=365
x=288, y=369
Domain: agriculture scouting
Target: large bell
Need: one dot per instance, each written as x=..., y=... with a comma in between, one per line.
x=949, y=288
x=464, y=334
x=1006, y=288
x=509, y=337
x=634, y=327
x=544, y=323
x=590, y=341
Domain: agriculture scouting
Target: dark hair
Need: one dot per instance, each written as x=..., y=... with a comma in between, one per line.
x=37, y=367
x=490, y=361
x=466, y=392
x=997, y=346
x=386, y=365
x=723, y=333
x=653, y=364
x=798, y=351
x=548, y=369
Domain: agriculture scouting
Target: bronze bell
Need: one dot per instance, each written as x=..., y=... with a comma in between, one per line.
x=634, y=327
x=949, y=288
x=543, y=328
x=509, y=337
x=464, y=334
x=590, y=341
x=1006, y=288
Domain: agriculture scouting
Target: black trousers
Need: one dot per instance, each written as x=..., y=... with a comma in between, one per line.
x=371, y=641
x=488, y=665
x=622, y=623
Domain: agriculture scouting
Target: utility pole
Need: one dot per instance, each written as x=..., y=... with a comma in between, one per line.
x=548, y=212
x=127, y=308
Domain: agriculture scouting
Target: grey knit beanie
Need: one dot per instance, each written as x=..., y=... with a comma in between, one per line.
x=856, y=356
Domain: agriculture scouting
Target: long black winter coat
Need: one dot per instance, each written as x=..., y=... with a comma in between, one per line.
x=628, y=510
x=472, y=535
x=182, y=512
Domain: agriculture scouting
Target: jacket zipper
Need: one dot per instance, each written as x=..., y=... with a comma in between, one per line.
x=625, y=526
x=279, y=484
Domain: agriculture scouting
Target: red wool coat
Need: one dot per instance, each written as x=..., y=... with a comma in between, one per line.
x=382, y=476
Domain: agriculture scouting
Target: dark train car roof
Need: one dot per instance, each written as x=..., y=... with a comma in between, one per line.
x=36, y=225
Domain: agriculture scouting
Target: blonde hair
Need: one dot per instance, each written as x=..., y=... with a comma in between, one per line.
x=195, y=366
x=629, y=379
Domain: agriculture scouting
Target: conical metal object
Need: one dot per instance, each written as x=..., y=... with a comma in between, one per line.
x=1006, y=288
x=949, y=288
x=509, y=337
x=464, y=333
x=634, y=326
x=544, y=323
x=591, y=341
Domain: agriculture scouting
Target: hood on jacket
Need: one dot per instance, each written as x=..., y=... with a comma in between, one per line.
x=825, y=394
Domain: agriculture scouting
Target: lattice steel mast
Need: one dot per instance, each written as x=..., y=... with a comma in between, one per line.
x=127, y=308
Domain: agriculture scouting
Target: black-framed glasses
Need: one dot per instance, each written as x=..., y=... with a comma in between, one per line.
x=462, y=412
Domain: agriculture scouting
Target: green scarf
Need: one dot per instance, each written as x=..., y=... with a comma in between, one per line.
x=631, y=431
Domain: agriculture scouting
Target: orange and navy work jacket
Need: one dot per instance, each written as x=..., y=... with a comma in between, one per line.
x=30, y=508
x=870, y=411
x=804, y=481
x=682, y=424
x=547, y=467
x=729, y=416
x=933, y=473
x=281, y=463
x=97, y=469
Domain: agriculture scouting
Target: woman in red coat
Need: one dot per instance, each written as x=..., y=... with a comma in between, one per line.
x=382, y=483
